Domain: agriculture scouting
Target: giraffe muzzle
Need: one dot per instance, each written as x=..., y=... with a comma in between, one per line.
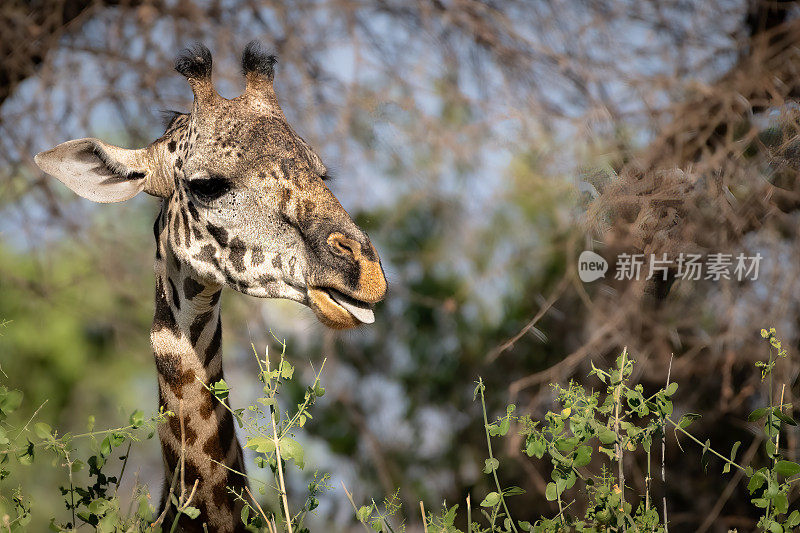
x=343, y=301
x=338, y=311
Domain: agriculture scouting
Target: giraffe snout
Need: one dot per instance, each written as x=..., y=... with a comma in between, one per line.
x=371, y=284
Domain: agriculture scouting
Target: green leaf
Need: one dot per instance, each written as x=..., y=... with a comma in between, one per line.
x=105, y=447
x=787, y=468
x=478, y=389
x=261, y=444
x=780, y=502
x=26, y=457
x=490, y=500
x=758, y=414
x=98, y=506
x=606, y=436
x=783, y=417
x=671, y=389
x=756, y=482
x=267, y=402
x=687, y=419
x=191, y=512
x=536, y=447
x=136, y=419
x=505, y=424
x=793, y=520
x=287, y=370
x=364, y=513
x=513, y=491
x=10, y=401
x=42, y=430
x=291, y=449
x=220, y=389
x=583, y=456
x=490, y=465
x=734, y=449
x=551, y=492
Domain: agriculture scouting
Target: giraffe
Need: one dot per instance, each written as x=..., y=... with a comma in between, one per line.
x=244, y=204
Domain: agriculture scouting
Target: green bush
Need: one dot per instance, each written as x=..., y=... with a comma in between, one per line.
x=585, y=440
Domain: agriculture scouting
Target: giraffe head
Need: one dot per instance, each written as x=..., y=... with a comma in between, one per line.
x=245, y=203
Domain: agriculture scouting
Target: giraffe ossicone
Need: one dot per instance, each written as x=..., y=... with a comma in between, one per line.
x=244, y=204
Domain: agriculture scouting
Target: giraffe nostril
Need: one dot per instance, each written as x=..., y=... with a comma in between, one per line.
x=341, y=245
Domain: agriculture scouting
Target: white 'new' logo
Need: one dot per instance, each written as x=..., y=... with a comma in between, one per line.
x=591, y=266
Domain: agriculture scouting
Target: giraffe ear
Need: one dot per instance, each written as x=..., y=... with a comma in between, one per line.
x=96, y=170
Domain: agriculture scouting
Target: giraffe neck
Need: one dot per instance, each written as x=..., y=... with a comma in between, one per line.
x=200, y=438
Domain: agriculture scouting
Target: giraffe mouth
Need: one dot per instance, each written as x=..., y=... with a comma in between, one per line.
x=338, y=310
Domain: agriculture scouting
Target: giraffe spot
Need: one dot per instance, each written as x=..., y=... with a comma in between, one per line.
x=220, y=234
x=176, y=227
x=192, y=471
x=191, y=288
x=176, y=299
x=265, y=280
x=187, y=235
x=220, y=495
x=276, y=262
x=256, y=256
x=168, y=367
x=193, y=211
x=172, y=145
x=215, y=298
x=226, y=432
x=216, y=377
x=215, y=344
x=209, y=404
x=231, y=281
x=235, y=479
x=189, y=434
x=287, y=166
x=179, y=163
x=213, y=448
x=286, y=195
x=162, y=400
x=170, y=456
x=198, y=325
x=157, y=229
x=163, y=317
x=236, y=257
x=207, y=254
x=308, y=208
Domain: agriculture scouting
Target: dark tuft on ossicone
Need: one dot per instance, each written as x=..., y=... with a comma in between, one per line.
x=194, y=62
x=255, y=59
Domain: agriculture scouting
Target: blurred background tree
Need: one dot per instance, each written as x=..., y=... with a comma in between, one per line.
x=483, y=145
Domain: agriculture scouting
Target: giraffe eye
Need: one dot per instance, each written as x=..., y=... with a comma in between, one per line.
x=209, y=189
